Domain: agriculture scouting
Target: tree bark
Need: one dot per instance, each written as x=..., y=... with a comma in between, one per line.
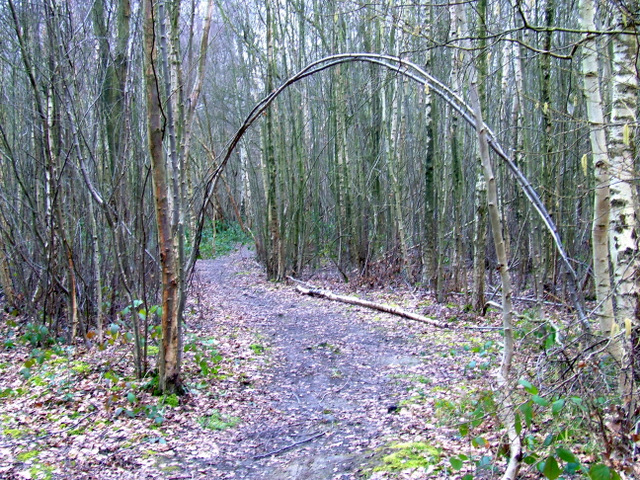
x=273, y=240
x=170, y=349
x=601, y=205
x=480, y=218
x=623, y=229
x=505, y=382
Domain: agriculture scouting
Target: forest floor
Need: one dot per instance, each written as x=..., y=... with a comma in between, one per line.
x=281, y=386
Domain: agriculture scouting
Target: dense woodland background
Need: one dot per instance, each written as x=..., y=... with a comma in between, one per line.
x=356, y=167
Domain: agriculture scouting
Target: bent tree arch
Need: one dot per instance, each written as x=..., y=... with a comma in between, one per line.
x=420, y=76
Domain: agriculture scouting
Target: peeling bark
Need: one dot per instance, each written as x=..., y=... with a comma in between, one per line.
x=601, y=210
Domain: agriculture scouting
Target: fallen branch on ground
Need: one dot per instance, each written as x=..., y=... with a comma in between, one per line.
x=284, y=449
x=307, y=289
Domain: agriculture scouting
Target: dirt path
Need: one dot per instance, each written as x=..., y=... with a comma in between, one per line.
x=331, y=396
x=281, y=387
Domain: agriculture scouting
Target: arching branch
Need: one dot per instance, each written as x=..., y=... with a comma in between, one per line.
x=420, y=76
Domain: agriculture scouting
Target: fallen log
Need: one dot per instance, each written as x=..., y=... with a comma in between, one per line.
x=307, y=289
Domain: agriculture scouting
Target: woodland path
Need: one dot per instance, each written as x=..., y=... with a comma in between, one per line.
x=296, y=388
x=332, y=391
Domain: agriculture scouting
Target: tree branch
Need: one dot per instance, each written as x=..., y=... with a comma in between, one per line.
x=306, y=289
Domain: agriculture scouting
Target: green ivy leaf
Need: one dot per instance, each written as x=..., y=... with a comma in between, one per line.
x=477, y=422
x=566, y=455
x=456, y=463
x=543, y=402
x=530, y=459
x=599, y=472
x=557, y=406
x=527, y=411
x=572, y=468
x=478, y=442
x=551, y=469
x=518, y=424
x=131, y=397
x=528, y=386
x=550, y=342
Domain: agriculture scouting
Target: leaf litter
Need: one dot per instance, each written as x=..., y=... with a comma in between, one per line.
x=281, y=386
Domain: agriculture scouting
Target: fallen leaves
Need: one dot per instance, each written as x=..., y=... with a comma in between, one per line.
x=278, y=384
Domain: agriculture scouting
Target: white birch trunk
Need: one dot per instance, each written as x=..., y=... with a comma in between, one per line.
x=601, y=209
x=623, y=223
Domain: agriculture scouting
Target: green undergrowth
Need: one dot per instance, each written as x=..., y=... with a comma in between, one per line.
x=221, y=238
x=214, y=420
x=410, y=456
x=36, y=468
x=81, y=386
x=559, y=427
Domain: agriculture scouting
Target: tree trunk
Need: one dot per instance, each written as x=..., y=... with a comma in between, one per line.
x=623, y=224
x=480, y=218
x=454, y=211
x=394, y=155
x=170, y=349
x=601, y=206
x=505, y=382
x=272, y=239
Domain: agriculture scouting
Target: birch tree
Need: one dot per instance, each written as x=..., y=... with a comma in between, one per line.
x=623, y=223
x=598, y=142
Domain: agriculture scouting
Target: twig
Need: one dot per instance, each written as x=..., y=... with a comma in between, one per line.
x=478, y=328
x=334, y=391
x=545, y=302
x=288, y=447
